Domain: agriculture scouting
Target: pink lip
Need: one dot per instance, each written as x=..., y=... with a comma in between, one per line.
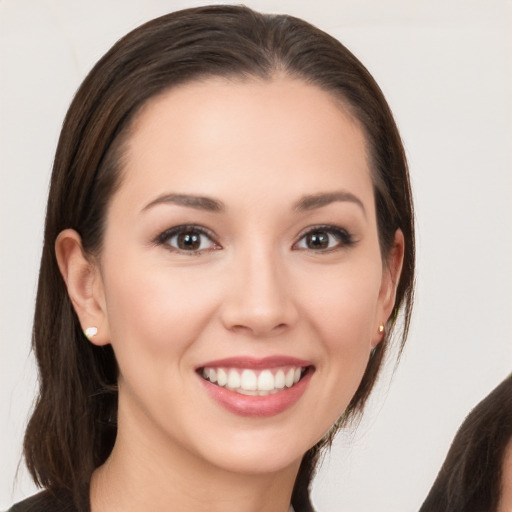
x=257, y=406
x=253, y=363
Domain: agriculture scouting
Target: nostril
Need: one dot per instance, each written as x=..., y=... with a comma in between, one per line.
x=258, y=329
x=258, y=313
x=239, y=327
x=280, y=328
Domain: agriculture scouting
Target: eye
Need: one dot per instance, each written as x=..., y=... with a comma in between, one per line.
x=193, y=239
x=324, y=238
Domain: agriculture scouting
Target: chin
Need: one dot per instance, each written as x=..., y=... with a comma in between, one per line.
x=260, y=452
x=262, y=462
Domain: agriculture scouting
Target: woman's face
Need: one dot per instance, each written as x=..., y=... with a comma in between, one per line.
x=240, y=252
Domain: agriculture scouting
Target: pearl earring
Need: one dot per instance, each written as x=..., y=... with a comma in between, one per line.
x=90, y=332
x=381, y=328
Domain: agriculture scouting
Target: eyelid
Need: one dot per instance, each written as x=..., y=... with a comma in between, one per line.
x=345, y=238
x=163, y=238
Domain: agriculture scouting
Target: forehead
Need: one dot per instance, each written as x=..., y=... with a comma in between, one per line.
x=250, y=134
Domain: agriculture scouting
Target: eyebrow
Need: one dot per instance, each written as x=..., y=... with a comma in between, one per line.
x=199, y=203
x=305, y=203
x=319, y=200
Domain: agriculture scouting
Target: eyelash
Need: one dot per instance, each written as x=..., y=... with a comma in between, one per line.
x=165, y=238
x=342, y=236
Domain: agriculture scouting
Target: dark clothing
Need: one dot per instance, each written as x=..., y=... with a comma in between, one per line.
x=46, y=501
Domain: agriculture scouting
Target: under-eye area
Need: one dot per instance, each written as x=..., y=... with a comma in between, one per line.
x=255, y=382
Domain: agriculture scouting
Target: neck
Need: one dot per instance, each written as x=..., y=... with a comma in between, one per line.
x=144, y=472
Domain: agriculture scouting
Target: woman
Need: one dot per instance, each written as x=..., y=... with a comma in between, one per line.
x=229, y=243
x=477, y=472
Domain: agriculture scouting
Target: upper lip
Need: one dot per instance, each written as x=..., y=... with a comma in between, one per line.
x=255, y=363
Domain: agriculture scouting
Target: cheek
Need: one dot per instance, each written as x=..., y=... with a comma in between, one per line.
x=343, y=313
x=344, y=306
x=155, y=312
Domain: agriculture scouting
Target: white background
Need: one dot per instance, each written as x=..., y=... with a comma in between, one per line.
x=446, y=69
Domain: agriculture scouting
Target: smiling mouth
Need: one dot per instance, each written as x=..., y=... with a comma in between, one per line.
x=250, y=382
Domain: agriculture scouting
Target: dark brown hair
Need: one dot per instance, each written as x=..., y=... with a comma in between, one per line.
x=471, y=476
x=72, y=429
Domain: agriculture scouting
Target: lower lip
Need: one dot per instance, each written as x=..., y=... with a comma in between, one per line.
x=257, y=406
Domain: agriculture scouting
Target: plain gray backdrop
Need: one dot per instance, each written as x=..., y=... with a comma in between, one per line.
x=446, y=69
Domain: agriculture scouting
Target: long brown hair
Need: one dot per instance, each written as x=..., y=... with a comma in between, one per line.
x=471, y=476
x=73, y=426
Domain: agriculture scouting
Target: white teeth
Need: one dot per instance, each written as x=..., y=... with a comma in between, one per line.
x=266, y=381
x=290, y=374
x=233, y=379
x=249, y=382
x=279, y=380
x=250, y=392
x=222, y=377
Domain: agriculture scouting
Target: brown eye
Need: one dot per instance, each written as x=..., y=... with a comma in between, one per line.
x=318, y=240
x=190, y=239
x=324, y=238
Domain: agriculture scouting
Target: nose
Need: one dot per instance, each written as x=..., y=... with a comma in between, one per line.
x=259, y=296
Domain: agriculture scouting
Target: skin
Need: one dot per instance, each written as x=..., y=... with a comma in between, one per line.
x=505, y=504
x=255, y=288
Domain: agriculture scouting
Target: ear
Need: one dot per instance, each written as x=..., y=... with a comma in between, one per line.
x=392, y=270
x=84, y=284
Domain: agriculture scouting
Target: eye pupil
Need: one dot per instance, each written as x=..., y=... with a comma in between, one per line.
x=189, y=240
x=317, y=240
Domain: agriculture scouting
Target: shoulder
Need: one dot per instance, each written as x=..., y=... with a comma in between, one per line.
x=45, y=501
